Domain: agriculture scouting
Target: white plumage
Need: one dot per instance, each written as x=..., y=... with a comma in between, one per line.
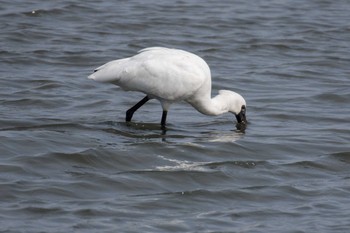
x=170, y=75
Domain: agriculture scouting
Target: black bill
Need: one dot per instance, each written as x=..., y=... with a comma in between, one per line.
x=241, y=116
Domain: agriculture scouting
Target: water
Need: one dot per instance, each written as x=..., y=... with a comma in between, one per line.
x=69, y=163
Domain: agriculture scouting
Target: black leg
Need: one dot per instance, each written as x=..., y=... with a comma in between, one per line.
x=163, y=122
x=131, y=111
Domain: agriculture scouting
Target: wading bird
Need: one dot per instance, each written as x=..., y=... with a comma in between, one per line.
x=170, y=75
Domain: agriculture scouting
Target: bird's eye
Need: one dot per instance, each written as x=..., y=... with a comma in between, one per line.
x=243, y=109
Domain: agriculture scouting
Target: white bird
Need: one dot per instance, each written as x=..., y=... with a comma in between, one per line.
x=170, y=75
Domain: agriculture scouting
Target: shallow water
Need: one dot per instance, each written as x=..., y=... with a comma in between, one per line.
x=69, y=163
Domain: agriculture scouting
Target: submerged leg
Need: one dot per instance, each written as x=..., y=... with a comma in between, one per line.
x=131, y=111
x=163, y=121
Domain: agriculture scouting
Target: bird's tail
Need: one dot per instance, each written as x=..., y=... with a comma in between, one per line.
x=109, y=72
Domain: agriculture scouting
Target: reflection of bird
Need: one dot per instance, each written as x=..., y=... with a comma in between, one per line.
x=170, y=75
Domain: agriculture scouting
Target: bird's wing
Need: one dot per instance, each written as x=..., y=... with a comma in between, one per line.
x=162, y=76
x=162, y=73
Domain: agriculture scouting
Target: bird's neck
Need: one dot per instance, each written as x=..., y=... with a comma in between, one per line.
x=211, y=106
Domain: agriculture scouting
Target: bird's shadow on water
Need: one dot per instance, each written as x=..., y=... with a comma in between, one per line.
x=171, y=133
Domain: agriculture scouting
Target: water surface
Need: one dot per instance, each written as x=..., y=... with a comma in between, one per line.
x=68, y=162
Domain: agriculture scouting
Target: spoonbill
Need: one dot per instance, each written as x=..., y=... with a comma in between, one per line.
x=170, y=75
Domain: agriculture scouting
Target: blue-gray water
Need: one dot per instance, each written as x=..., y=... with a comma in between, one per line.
x=69, y=163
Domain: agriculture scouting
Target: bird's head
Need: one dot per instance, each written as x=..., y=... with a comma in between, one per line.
x=237, y=106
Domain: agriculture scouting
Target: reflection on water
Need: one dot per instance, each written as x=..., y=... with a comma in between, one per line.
x=153, y=131
x=225, y=137
x=181, y=165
